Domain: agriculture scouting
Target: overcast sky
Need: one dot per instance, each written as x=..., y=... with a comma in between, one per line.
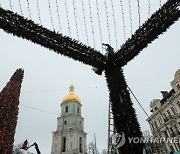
x=48, y=75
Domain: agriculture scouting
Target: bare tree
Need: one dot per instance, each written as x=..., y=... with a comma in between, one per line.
x=92, y=149
x=104, y=151
x=17, y=150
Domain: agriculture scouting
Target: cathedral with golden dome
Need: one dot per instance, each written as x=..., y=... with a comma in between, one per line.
x=69, y=137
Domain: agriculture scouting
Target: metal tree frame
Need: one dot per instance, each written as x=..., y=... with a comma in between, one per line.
x=125, y=119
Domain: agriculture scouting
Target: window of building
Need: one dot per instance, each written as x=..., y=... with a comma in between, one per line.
x=64, y=144
x=178, y=103
x=177, y=130
x=56, y=147
x=80, y=144
x=172, y=132
x=178, y=86
x=152, y=126
x=173, y=110
x=78, y=110
x=155, y=108
x=65, y=122
x=66, y=110
x=165, y=134
x=155, y=124
x=165, y=117
x=159, y=120
x=164, y=114
x=169, y=113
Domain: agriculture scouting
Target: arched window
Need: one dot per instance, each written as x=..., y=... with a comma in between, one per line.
x=65, y=122
x=66, y=110
x=80, y=144
x=78, y=110
x=64, y=144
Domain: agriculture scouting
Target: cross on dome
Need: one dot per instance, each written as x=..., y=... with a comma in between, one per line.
x=71, y=87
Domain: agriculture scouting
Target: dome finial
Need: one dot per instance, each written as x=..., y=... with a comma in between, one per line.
x=71, y=87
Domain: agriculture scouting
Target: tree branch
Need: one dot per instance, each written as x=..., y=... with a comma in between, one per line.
x=17, y=25
x=159, y=22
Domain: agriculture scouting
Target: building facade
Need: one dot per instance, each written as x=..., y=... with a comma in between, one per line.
x=70, y=138
x=165, y=118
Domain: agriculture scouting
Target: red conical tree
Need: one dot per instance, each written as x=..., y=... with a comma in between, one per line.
x=9, y=101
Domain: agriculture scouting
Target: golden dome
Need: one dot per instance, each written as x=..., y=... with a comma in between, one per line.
x=71, y=96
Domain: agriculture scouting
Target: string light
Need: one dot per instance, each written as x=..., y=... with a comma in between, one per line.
x=98, y=9
x=160, y=3
x=75, y=17
x=57, y=10
x=39, y=15
x=122, y=11
x=79, y=21
x=92, y=27
x=149, y=8
x=51, y=14
x=67, y=17
x=130, y=15
x=29, y=9
x=139, y=13
x=107, y=22
x=20, y=7
x=84, y=18
x=115, y=30
x=99, y=22
x=10, y=3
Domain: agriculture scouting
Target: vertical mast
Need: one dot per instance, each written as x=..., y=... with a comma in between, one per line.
x=111, y=130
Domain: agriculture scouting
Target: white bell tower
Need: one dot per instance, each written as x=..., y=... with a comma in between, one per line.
x=69, y=138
